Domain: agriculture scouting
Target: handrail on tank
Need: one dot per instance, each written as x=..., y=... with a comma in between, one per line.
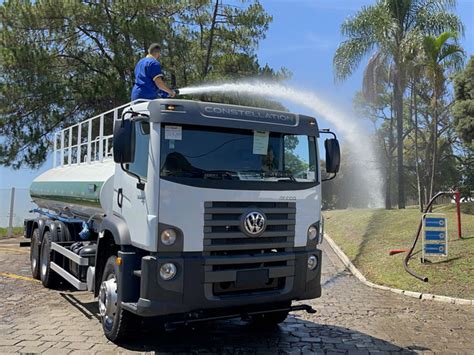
x=93, y=154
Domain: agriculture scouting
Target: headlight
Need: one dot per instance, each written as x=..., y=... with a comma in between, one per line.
x=167, y=271
x=168, y=237
x=312, y=232
x=312, y=262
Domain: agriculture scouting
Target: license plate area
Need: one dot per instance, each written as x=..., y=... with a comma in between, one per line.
x=251, y=278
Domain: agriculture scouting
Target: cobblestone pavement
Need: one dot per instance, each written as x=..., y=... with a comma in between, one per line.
x=351, y=318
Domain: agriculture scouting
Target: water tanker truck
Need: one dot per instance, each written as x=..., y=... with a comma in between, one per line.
x=187, y=211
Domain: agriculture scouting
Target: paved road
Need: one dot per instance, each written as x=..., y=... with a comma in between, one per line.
x=351, y=318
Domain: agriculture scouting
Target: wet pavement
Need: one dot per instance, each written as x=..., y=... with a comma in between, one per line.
x=350, y=318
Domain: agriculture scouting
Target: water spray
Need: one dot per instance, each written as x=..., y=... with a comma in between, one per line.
x=354, y=133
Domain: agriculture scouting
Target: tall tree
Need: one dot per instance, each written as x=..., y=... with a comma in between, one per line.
x=62, y=61
x=414, y=117
x=463, y=107
x=387, y=31
x=440, y=55
x=463, y=112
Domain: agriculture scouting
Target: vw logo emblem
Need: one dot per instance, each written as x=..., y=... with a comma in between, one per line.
x=253, y=223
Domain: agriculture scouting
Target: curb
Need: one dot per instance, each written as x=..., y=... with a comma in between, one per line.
x=421, y=296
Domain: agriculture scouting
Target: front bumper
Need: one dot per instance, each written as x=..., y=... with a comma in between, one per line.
x=194, y=290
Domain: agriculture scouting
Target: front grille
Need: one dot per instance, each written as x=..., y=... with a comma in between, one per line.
x=237, y=264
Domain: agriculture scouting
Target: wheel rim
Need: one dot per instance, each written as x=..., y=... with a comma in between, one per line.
x=108, y=300
x=44, y=259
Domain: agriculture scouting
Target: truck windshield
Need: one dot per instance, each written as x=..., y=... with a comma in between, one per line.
x=191, y=153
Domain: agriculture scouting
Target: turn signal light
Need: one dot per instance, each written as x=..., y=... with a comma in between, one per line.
x=312, y=232
x=168, y=237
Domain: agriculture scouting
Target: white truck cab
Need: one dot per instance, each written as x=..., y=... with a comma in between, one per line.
x=207, y=211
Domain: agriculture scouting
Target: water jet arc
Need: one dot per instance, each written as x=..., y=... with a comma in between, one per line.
x=356, y=136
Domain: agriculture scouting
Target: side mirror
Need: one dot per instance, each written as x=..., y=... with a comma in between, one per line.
x=124, y=141
x=333, y=155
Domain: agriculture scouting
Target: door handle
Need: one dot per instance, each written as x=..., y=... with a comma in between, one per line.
x=120, y=197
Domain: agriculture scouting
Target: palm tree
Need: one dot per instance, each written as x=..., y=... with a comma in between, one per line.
x=389, y=31
x=414, y=110
x=439, y=56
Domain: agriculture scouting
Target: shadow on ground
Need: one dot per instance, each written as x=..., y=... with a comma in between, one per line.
x=295, y=335
x=235, y=336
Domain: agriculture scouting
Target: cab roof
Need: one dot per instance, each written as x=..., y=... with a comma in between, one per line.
x=224, y=115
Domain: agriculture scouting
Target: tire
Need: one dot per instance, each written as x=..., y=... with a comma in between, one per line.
x=117, y=323
x=49, y=278
x=35, y=254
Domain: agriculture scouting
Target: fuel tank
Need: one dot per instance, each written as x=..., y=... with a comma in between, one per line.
x=82, y=190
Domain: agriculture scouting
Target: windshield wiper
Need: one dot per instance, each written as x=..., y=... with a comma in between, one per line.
x=286, y=178
x=212, y=174
x=278, y=175
x=185, y=174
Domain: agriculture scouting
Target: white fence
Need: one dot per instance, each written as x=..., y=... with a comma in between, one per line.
x=89, y=140
x=84, y=142
x=15, y=205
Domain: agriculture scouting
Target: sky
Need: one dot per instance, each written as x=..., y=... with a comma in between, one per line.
x=303, y=37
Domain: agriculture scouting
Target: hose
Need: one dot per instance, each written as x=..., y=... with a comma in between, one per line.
x=410, y=252
x=83, y=234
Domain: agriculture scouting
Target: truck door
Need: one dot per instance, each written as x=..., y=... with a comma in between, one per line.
x=129, y=201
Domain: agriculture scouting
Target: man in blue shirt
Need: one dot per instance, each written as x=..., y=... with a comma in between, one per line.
x=149, y=82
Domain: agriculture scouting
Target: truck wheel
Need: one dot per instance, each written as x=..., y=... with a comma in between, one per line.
x=35, y=254
x=116, y=322
x=48, y=277
x=269, y=320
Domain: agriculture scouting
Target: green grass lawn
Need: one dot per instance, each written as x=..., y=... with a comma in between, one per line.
x=366, y=236
x=16, y=231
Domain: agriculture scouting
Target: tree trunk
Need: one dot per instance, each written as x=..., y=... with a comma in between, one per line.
x=417, y=154
x=398, y=100
x=173, y=79
x=172, y=68
x=425, y=189
x=388, y=185
x=435, y=144
x=211, y=40
x=389, y=171
x=185, y=76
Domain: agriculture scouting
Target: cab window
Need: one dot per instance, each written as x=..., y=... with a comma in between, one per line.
x=142, y=140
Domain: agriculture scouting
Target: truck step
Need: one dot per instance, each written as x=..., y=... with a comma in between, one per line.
x=81, y=286
x=70, y=255
x=130, y=306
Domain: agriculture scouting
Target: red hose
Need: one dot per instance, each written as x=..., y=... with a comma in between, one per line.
x=397, y=251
